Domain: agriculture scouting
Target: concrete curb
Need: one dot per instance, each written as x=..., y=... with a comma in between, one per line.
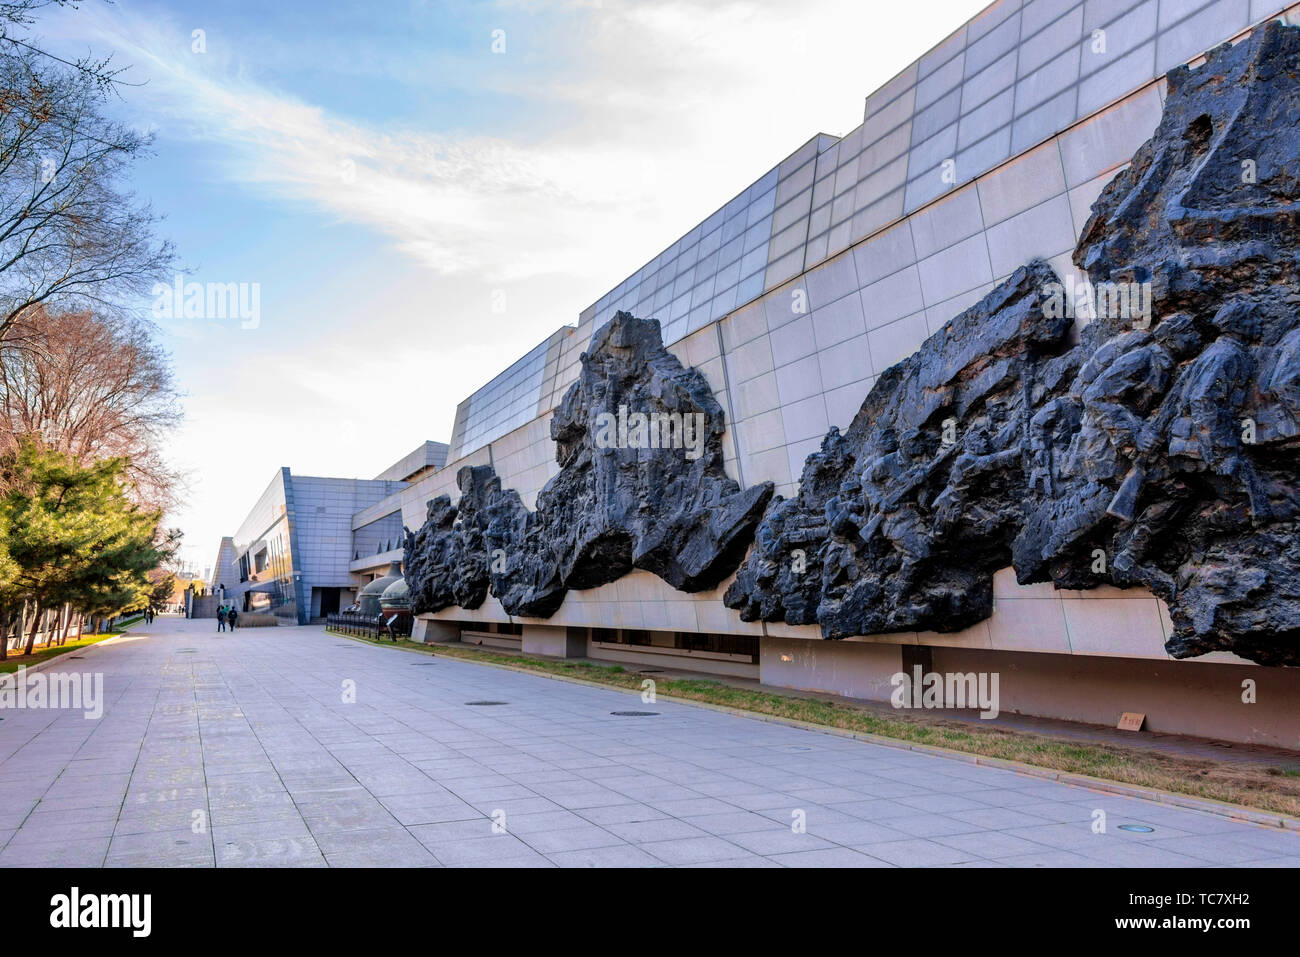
x=1235, y=812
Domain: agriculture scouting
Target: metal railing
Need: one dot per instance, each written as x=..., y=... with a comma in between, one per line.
x=370, y=626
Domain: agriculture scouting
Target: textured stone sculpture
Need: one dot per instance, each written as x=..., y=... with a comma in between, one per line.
x=1160, y=450
x=642, y=484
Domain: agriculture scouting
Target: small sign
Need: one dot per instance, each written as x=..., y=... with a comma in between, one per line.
x=1131, y=721
x=389, y=623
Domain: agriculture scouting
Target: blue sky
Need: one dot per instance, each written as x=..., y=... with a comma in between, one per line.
x=380, y=173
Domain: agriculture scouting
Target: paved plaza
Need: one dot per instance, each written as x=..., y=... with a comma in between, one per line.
x=289, y=746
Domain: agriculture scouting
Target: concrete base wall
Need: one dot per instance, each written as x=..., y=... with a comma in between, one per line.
x=1178, y=697
x=852, y=669
x=430, y=630
x=552, y=641
x=684, y=661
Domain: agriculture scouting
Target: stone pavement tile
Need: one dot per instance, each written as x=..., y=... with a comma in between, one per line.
x=1273, y=841
x=1146, y=854
x=873, y=809
x=1051, y=858
x=1059, y=812
x=621, y=814
x=812, y=814
x=828, y=857
x=991, y=844
x=373, y=847
x=853, y=833
x=1071, y=837
x=695, y=850
x=889, y=789
x=666, y=829
x=929, y=825
x=49, y=828
x=942, y=803
x=1210, y=848
x=482, y=851
x=996, y=818
x=143, y=797
x=614, y=855
x=916, y=852
x=389, y=785
x=545, y=777
x=533, y=821
x=411, y=809
x=732, y=822
x=270, y=852
x=660, y=794
x=570, y=839
x=252, y=814
x=260, y=830
x=827, y=795
x=591, y=798
x=1270, y=862
x=172, y=816
x=179, y=848
x=778, y=841
x=91, y=802
x=84, y=852
x=518, y=805
x=1008, y=797
x=763, y=800
x=692, y=807
x=90, y=784
x=101, y=764
x=346, y=814
x=452, y=831
x=734, y=863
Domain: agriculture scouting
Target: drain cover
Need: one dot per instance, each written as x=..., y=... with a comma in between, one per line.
x=1137, y=828
x=422, y=664
x=635, y=714
x=75, y=657
x=484, y=704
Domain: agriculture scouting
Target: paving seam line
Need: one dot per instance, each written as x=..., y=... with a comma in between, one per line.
x=1070, y=778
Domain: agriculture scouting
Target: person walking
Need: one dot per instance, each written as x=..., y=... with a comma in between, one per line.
x=234, y=618
x=221, y=618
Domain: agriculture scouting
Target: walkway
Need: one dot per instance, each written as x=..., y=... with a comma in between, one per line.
x=287, y=746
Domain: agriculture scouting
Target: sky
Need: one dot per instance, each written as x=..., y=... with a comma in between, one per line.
x=420, y=192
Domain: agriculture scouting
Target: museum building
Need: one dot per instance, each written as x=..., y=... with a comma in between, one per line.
x=986, y=153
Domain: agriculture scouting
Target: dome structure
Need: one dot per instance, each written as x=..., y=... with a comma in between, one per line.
x=368, y=597
x=396, y=597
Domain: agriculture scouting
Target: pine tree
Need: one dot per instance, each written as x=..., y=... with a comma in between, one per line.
x=73, y=534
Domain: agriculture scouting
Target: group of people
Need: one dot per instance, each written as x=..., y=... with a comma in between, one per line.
x=227, y=615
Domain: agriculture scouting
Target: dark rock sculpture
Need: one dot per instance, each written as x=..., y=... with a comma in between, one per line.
x=642, y=484
x=446, y=560
x=1160, y=450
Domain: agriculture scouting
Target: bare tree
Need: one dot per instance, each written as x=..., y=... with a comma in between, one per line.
x=70, y=235
x=93, y=387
